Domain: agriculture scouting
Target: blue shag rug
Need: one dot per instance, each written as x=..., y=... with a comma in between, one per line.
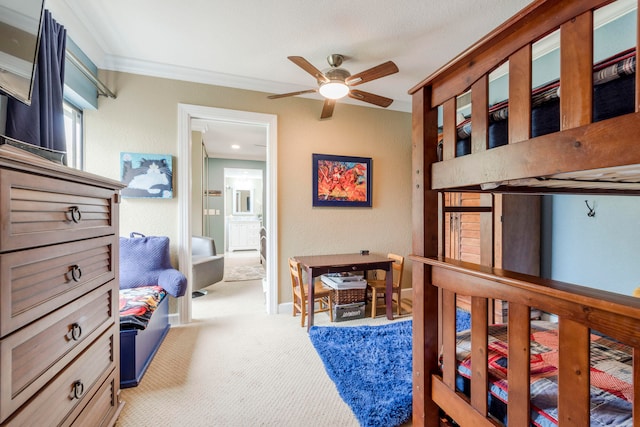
x=371, y=367
x=463, y=320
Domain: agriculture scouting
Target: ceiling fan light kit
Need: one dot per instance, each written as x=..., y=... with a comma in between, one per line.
x=334, y=90
x=336, y=82
x=336, y=87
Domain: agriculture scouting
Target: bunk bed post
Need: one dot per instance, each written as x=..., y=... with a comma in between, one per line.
x=576, y=71
x=573, y=373
x=479, y=351
x=425, y=235
x=480, y=114
x=520, y=95
x=519, y=368
x=449, y=132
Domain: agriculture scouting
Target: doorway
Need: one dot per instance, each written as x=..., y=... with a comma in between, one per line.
x=243, y=209
x=187, y=113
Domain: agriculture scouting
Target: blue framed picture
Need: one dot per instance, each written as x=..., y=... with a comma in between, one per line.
x=341, y=181
x=146, y=175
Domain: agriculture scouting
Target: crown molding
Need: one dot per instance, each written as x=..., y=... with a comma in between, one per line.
x=152, y=69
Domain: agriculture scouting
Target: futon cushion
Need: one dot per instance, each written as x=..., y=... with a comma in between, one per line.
x=138, y=304
x=145, y=261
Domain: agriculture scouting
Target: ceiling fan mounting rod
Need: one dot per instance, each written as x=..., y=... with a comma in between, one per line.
x=335, y=59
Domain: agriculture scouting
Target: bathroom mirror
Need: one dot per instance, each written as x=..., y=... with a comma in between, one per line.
x=242, y=202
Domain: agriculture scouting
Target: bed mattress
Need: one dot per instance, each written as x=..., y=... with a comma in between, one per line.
x=613, y=95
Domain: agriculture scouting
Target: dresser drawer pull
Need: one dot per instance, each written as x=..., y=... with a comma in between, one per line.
x=76, y=215
x=75, y=332
x=76, y=273
x=78, y=390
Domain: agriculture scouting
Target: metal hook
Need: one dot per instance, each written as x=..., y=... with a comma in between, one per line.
x=592, y=210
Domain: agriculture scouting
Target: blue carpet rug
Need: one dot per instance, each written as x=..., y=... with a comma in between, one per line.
x=463, y=320
x=371, y=367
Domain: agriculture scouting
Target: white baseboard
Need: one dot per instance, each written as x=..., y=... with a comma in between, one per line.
x=174, y=319
x=285, y=307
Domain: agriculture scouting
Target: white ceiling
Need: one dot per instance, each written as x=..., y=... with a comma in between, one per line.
x=245, y=43
x=230, y=140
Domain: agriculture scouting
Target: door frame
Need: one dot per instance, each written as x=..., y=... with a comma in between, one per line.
x=187, y=112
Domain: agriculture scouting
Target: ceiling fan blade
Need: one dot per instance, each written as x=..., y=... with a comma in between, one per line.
x=309, y=68
x=376, y=72
x=327, y=108
x=284, y=95
x=370, y=98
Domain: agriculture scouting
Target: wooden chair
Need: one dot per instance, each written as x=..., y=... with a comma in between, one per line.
x=300, y=290
x=377, y=287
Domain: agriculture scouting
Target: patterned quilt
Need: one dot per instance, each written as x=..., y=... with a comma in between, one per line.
x=611, y=375
x=138, y=304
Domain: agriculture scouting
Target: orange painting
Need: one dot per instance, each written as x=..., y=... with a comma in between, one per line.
x=341, y=181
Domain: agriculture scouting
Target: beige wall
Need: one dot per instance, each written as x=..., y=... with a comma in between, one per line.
x=143, y=118
x=197, y=153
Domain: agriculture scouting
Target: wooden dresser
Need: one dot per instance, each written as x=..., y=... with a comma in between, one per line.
x=59, y=326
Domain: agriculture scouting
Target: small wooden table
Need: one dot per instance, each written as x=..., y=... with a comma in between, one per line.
x=317, y=265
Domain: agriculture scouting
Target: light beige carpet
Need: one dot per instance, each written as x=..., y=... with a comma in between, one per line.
x=237, y=366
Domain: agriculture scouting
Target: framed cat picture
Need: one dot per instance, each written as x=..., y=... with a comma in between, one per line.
x=146, y=175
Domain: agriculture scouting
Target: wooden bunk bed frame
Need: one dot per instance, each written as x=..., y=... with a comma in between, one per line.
x=584, y=156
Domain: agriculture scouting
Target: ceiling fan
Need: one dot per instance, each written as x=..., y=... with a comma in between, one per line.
x=335, y=82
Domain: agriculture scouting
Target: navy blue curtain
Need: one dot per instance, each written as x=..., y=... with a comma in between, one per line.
x=42, y=123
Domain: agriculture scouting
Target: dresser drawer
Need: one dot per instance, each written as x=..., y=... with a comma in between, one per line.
x=103, y=408
x=72, y=389
x=37, y=281
x=37, y=211
x=34, y=355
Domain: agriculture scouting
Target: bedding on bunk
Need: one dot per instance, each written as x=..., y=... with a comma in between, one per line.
x=611, y=375
x=613, y=95
x=138, y=304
